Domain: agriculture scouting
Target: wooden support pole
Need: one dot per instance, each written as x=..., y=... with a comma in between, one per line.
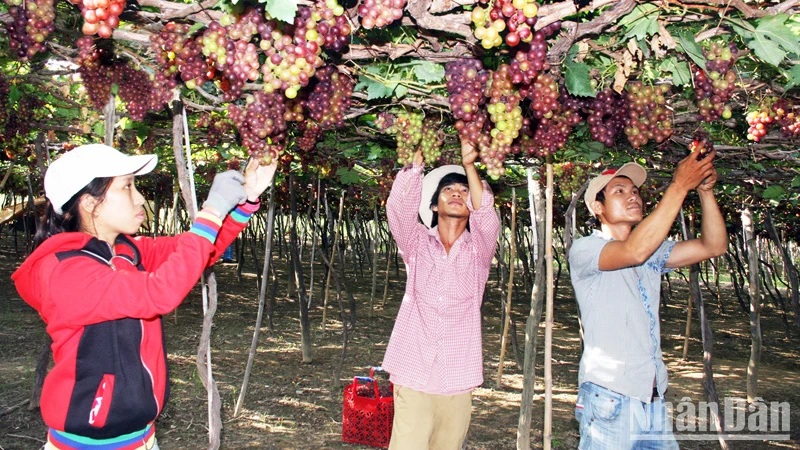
x=512, y=257
x=548, y=321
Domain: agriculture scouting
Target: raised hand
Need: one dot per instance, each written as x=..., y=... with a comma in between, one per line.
x=691, y=171
x=226, y=192
x=418, y=159
x=708, y=183
x=257, y=177
x=468, y=153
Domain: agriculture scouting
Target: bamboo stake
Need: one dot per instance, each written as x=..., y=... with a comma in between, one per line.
x=262, y=295
x=512, y=257
x=314, y=243
x=386, y=277
x=548, y=321
x=537, y=207
x=374, y=245
x=335, y=245
x=689, y=308
x=755, y=305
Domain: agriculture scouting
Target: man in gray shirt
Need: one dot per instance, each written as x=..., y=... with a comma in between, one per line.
x=616, y=274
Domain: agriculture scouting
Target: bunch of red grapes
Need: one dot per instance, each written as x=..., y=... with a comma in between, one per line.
x=179, y=54
x=261, y=124
x=568, y=176
x=786, y=117
x=466, y=82
x=380, y=13
x=96, y=71
x=330, y=98
x=714, y=87
x=216, y=127
x=543, y=94
x=506, y=115
x=608, y=114
x=100, y=17
x=554, y=129
x=758, y=123
x=408, y=133
x=648, y=117
x=515, y=16
x=432, y=139
x=293, y=51
x=31, y=25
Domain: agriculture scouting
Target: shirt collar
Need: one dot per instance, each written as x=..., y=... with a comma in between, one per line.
x=434, y=232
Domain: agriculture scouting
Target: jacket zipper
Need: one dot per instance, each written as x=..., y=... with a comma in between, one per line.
x=152, y=379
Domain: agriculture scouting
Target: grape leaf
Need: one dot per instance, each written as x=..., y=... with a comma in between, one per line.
x=376, y=151
x=400, y=90
x=773, y=192
x=796, y=182
x=283, y=10
x=692, y=48
x=793, y=75
x=348, y=176
x=67, y=113
x=14, y=94
x=641, y=22
x=772, y=40
x=195, y=28
x=375, y=89
x=428, y=72
x=99, y=128
x=577, y=79
x=681, y=75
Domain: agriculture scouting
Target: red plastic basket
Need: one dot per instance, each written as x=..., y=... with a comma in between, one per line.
x=367, y=412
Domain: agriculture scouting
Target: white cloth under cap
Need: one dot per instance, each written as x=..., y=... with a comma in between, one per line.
x=77, y=168
x=634, y=171
x=429, y=185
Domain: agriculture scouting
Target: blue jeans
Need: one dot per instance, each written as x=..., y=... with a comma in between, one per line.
x=613, y=421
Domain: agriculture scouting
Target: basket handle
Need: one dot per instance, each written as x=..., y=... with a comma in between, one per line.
x=366, y=380
x=374, y=369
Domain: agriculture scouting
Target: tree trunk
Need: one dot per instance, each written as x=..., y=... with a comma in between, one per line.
x=374, y=250
x=755, y=305
x=314, y=245
x=512, y=256
x=689, y=307
x=537, y=208
x=305, y=324
x=262, y=295
x=109, y=113
x=334, y=251
x=788, y=266
x=707, y=336
x=547, y=433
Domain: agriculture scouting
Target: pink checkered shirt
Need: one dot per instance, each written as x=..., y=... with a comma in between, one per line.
x=436, y=342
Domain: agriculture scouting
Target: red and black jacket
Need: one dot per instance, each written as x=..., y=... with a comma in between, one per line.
x=103, y=311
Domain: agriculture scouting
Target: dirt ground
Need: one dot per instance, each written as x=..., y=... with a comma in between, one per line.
x=292, y=405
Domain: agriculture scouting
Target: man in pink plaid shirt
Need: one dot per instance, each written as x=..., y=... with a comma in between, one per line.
x=435, y=356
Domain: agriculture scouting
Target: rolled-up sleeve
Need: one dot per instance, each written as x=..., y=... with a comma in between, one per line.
x=402, y=208
x=484, y=224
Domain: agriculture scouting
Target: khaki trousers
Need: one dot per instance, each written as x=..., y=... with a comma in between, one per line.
x=429, y=422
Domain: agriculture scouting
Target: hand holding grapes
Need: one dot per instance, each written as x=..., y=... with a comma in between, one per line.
x=469, y=154
x=708, y=183
x=418, y=158
x=257, y=177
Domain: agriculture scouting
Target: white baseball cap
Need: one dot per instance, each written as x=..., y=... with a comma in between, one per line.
x=429, y=185
x=634, y=171
x=77, y=168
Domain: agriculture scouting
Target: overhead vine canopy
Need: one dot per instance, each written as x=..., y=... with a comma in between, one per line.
x=348, y=89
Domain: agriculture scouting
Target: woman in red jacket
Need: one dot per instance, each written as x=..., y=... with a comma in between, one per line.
x=101, y=291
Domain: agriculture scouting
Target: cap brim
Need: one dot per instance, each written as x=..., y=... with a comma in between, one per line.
x=429, y=185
